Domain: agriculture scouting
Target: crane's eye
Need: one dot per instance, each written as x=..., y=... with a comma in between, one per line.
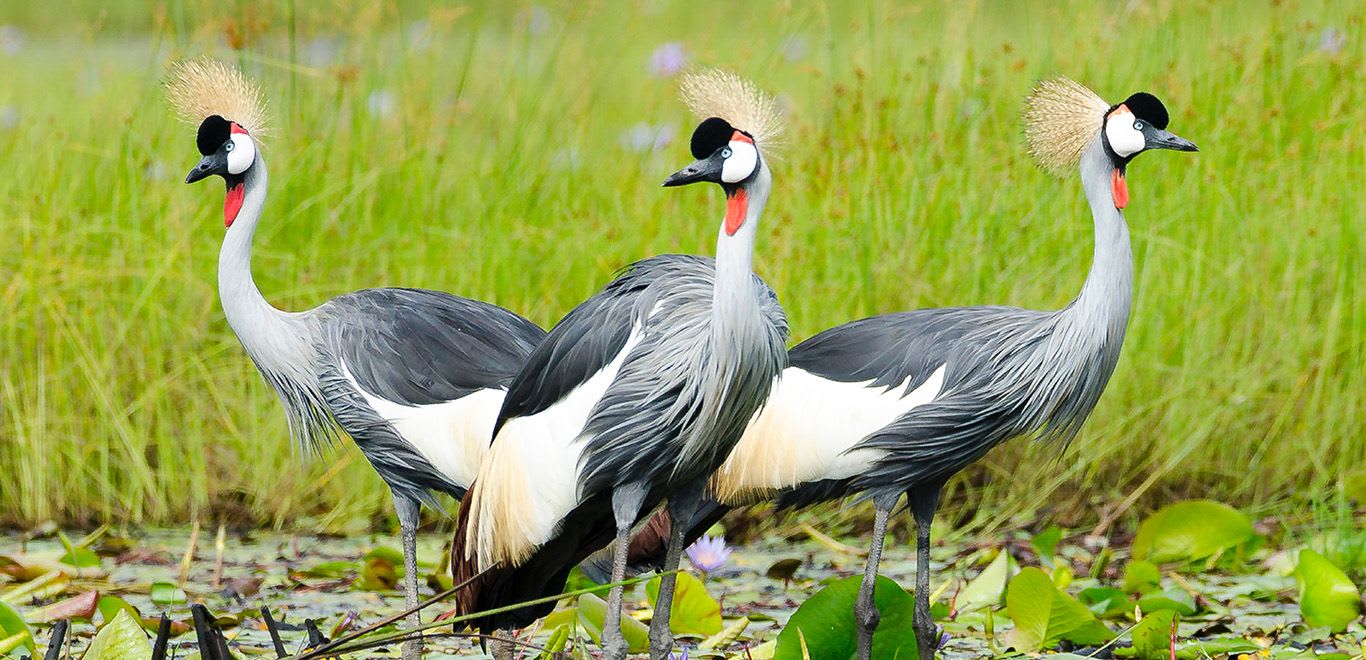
x=1138, y=126
x=228, y=146
x=725, y=153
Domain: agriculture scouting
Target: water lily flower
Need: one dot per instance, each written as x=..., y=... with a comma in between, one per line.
x=709, y=553
x=668, y=60
x=944, y=637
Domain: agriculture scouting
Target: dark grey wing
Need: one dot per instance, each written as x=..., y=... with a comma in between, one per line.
x=588, y=338
x=417, y=347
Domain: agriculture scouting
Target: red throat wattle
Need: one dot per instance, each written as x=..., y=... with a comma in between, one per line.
x=1119, y=189
x=736, y=206
x=233, y=203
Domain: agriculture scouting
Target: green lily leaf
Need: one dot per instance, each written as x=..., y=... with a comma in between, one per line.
x=1105, y=602
x=593, y=615
x=1141, y=577
x=1152, y=635
x=1043, y=615
x=1191, y=530
x=1173, y=599
x=694, y=611
x=166, y=593
x=12, y=625
x=1327, y=596
x=823, y=627
x=988, y=589
x=1046, y=544
x=120, y=639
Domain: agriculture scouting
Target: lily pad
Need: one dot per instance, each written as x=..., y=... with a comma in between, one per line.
x=1105, y=601
x=593, y=615
x=988, y=589
x=1327, y=597
x=166, y=593
x=1152, y=635
x=694, y=611
x=1043, y=615
x=824, y=627
x=121, y=639
x=1191, y=530
x=11, y=625
x=1141, y=577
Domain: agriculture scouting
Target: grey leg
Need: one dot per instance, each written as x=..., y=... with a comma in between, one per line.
x=682, y=507
x=408, y=510
x=626, y=501
x=501, y=646
x=866, y=616
x=924, y=501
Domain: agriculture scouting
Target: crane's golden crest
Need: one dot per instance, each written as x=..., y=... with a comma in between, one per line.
x=718, y=93
x=205, y=87
x=1061, y=119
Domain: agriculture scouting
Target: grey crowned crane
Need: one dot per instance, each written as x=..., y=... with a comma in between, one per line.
x=415, y=377
x=899, y=403
x=635, y=397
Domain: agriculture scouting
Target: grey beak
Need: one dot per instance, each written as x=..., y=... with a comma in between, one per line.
x=707, y=169
x=1165, y=140
x=208, y=166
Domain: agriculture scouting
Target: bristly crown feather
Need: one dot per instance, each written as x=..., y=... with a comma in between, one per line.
x=205, y=87
x=1061, y=119
x=718, y=93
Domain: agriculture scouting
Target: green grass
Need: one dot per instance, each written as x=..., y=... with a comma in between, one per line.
x=501, y=174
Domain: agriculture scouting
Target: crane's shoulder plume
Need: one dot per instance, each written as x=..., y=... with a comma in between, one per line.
x=719, y=93
x=204, y=87
x=1061, y=118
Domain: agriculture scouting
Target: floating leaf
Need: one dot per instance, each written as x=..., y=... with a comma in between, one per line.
x=824, y=627
x=330, y=569
x=726, y=637
x=1043, y=615
x=378, y=574
x=694, y=611
x=593, y=615
x=1191, y=530
x=1173, y=599
x=76, y=607
x=784, y=569
x=121, y=639
x=1105, y=601
x=1152, y=635
x=166, y=593
x=1141, y=576
x=1327, y=597
x=988, y=589
x=12, y=625
x=1046, y=544
x=394, y=557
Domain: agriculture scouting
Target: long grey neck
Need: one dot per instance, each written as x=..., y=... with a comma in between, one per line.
x=1105, y=299
x=273, y=338
x=734, y=299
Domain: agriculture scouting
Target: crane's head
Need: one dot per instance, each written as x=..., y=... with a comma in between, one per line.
x=1063, y=119
x=229, y=110
x=738, y=118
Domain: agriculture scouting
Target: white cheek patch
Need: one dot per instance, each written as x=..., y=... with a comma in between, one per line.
x=743, y=159
x=1119, y=130
x=243, y=153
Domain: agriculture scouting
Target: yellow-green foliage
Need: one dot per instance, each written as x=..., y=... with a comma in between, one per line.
x=484, y=150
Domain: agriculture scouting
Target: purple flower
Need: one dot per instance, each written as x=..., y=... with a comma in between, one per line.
x=794, y=48
x=680, y=656
x=381, y=103
x=668, y=60
x=708, y=553
x=11, y=39
x=944, y=637
x=648, y=137
x=1331, y=40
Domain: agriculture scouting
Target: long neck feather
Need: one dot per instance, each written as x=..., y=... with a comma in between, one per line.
x=273, y=338
x=1105, y=299
x=735, y=253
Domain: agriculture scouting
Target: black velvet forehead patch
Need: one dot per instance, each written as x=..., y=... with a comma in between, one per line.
x=712, y=134
x=1145, y=106
x=213, y=132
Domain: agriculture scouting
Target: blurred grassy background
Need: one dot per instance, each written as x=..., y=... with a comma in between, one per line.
x=512, y=152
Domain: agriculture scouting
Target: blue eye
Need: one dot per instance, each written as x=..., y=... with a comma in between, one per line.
x=1138, y=126
x=725, y=153
x=229, y=146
